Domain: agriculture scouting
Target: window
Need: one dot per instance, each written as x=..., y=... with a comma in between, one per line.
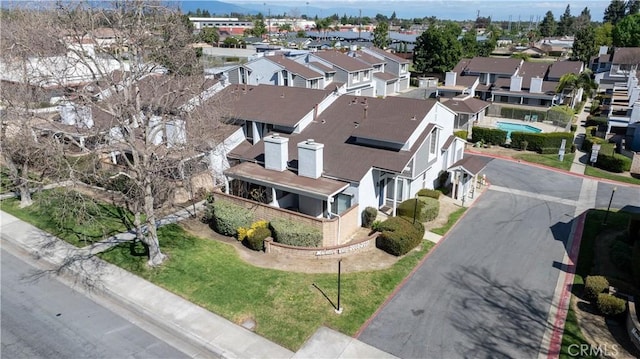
x=403, y=68
x=354, y=77
x=434, y=142
x=367, y=75
x=341, y=203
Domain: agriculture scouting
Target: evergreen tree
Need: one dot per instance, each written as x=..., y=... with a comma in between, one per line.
x=548, y=25
x=615, y=11
x=583, y=20
x=584, y=44
x=565, y=24
x=469, y=44
x=381, y=36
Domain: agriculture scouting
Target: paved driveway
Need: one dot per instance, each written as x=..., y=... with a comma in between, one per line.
x=486, y=290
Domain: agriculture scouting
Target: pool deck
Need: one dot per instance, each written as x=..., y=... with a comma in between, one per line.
x=489, y=121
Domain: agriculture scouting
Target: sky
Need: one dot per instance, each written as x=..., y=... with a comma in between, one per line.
x=443, y=9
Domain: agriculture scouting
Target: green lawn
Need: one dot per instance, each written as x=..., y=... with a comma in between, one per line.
x=550, y=160
x=453, y=218
x=286, y=306
x=572, y=336
x=596, y=172
x=89, y=221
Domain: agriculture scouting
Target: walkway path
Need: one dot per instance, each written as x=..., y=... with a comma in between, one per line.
x=580, y=160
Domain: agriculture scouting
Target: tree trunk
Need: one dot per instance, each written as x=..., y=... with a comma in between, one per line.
x=23, y=186
x=156, y=257
x=137, y=224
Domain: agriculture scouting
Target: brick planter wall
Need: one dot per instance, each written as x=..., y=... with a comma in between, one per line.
x=366, y=244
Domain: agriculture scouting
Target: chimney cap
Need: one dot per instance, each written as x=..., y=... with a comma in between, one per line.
x=310, y=141
x=275, y=135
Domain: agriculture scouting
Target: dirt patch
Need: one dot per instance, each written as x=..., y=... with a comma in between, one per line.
x=447, y=206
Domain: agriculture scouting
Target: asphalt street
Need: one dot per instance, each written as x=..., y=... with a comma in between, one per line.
x=486, y=290
x=43, y=318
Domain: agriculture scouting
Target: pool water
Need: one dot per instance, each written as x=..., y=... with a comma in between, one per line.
x=516, y=127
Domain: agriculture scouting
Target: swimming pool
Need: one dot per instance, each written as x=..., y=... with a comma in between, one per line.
x=516, y=127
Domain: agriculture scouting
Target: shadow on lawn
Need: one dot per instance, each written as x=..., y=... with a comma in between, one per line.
x=521, y=312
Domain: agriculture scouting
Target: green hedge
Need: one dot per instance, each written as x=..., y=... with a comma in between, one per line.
x=520, y=114
x=255, y=240
x=596, y=121
x=538, y=141
x=227, y=217
x=617, y=163
x=593, y=286
x=610, y=305
x=488, y=135
x=426, y=208
x=368, y=216
x=399, y=235
x=461, y=134
x=295, y=234
x=425, y=192
x=634, y=228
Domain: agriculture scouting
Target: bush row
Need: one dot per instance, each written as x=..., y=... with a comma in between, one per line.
x=539, y=141
x=423, y=209
x=596, y=121
x=399, y=235
x=232, y=220
x=607, y=159
x=226, y=217
x=295, y=234
x=488, y=135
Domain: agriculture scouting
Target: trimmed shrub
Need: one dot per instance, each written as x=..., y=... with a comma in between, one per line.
x=243, y=232
x=596, y=121
x=488, y=135
x=227, y=217
x=593, y=286
x=548, y=150
x=368, y=216
x=398, y=235
x=295, y=234
x=610, y=305
x=426, y=209
x=616, y=163
x=573, y=127
x=461, y=134
x=538, y=141
x=425, y=192
x=255, y=240
x=595, y=107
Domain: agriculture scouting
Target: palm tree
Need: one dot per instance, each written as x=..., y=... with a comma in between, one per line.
x=575, y=82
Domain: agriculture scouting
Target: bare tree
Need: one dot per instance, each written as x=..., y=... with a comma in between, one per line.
x=149, y=107
x=26, y=151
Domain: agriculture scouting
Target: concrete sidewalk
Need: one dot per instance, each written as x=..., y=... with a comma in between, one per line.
x=216, y=336
x=581, y=158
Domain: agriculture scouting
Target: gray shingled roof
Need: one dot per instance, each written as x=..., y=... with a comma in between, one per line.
x=470, y=105
x=389, y=55
x=560, y=68
x=278, y=105
x=340, y=60
x=493, y=65
x=296, y=68
x=626, y=55
x=335, y=128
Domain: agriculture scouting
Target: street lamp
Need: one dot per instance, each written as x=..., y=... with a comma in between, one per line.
x=609, y=206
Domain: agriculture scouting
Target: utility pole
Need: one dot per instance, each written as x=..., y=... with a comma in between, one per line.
x=360, y=24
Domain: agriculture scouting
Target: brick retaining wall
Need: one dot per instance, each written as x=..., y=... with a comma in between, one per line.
x=366, y=244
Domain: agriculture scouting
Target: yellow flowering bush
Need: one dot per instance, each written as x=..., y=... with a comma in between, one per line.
x=244, y=233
